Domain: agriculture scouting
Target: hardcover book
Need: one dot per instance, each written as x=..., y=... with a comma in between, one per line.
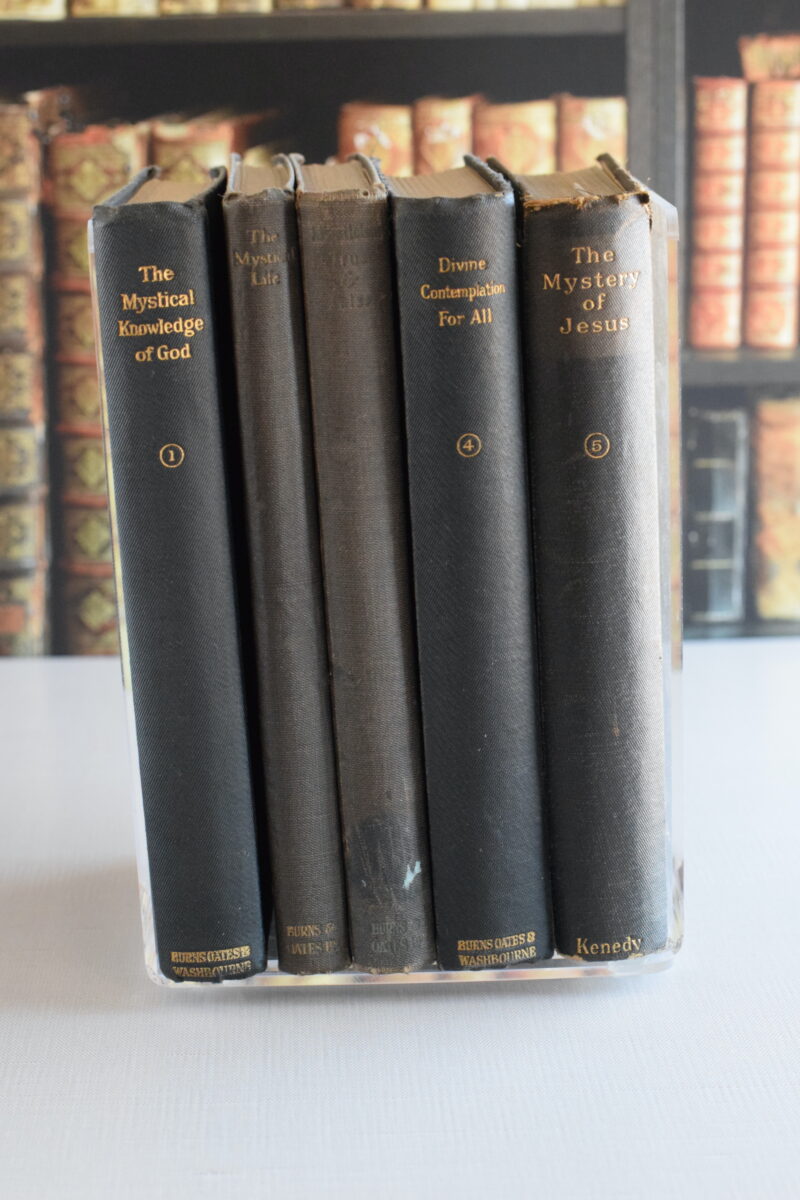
x=309, y=4
x=113, y=8
x=772, y=263
x=720, y=118
x=406, y=4
x=442, y=132
x=83, y=168
x=24, y=543
x=186, y=150
x=296, y=722
x=770, y=56
x=597, y=441
x=521, y=135
x=33, y=10
x=462, y=374
x=158, y=259
x=345, y=246
x=452, y=5
x=589, y=126
x=717, y=482
x=245, y=6
x=381, y=131
x=777, y=516
x=179, y=8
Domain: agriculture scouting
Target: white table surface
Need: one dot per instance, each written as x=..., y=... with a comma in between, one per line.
x=675, y=1085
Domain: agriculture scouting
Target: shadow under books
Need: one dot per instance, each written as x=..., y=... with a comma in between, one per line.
x=75, y=943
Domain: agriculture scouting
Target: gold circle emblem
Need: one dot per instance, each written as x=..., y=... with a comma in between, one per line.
x=469, y=445
x=171, y=455
x=596, y=445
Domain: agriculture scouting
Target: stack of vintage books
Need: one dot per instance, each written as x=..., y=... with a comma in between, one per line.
x=67, y=603
x=561, y=133
x=54, y=10
x=391, y=509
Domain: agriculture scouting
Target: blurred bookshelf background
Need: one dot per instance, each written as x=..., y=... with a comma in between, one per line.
x=707, y=109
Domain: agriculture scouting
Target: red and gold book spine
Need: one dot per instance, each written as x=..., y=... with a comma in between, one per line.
x=772, y=256
x=442, y=132
x=186, y=150
x=33, y=10
x=720, y=152
x=180, y=8
x=24, y=542
x=405, y=4
x=113, y=8
x=452, y=5
x=588, y=126
x=770, y=56
x=295, y=4
x=245, y=6
x=521, y=136
x=381, y=131
x=83, y=168
x=777, y=510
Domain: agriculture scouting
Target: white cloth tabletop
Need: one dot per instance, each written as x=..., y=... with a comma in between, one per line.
x=681, y=1084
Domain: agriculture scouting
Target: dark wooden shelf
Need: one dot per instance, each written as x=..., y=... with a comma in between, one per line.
x=748, y=629
x=319, y=25
x=741, y=368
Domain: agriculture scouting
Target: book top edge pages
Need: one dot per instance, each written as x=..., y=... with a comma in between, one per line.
x=157, y=191
x=457, y=183
x=251, y=179
x=606, y=178
x=357, y=175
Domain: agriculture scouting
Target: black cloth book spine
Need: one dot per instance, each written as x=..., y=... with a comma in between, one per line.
x=717, y=479
x=161, y=349
x=357, y=422
x=589, y=340
x=472, y=574
x=293, y=678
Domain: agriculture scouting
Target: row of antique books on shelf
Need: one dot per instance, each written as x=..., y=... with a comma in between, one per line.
x=745, y=260
x=55, y=10
x=742, y=513
x=350, y=418
x=56, y=586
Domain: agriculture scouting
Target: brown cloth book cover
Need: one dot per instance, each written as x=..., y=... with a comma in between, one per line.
x=720, y=131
